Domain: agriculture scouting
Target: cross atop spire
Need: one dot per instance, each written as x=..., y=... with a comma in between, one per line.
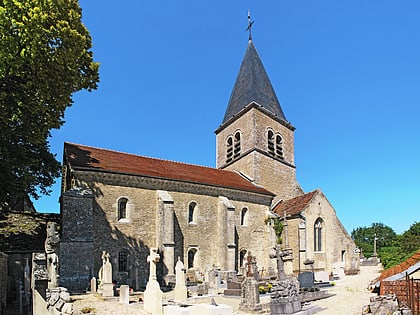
x=249, y=25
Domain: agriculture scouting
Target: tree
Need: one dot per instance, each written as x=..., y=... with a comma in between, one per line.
x=364, y=237
x=410, y=239
x=45, y=57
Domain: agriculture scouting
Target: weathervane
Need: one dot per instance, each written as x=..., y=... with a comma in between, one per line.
x=249, y=25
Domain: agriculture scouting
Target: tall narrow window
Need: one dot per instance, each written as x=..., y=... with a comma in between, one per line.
x=279, y=146
x=237, y=145
x=242, y=255
x=244, y=217
x=122, y=261
x=191, y=257
x=229, y=152
x=122, y=208
x=192, y=212
x=318, y=235
x=270, y=144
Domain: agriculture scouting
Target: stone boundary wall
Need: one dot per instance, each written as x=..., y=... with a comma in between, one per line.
x=3, y=282
x=406, y=291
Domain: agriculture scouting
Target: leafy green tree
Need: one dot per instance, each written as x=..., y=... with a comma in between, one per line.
x=45, y=56
x=410, y=239
x=364, y=237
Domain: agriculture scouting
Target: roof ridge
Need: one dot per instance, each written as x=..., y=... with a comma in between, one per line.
x=150, y=157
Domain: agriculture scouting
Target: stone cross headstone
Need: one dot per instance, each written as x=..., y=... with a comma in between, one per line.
x=51, y=250
x=285, y=293
x=124, y=294
x=250, y=295
x=107, y=287
x=180, y=290
x=153, y=295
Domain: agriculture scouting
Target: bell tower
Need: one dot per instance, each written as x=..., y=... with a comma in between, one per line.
x=254, y=137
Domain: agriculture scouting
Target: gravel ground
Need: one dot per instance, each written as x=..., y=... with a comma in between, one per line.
x=351, y=294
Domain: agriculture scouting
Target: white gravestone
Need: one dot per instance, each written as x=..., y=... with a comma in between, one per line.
x=153, y=295
x=125, y=294
x=180, y=291
x=106, y=283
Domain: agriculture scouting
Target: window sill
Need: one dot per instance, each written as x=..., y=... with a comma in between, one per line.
x=123, y=221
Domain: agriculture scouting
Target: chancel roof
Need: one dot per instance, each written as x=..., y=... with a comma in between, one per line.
x=295, y=205
x=89, y=158
x=253, y=86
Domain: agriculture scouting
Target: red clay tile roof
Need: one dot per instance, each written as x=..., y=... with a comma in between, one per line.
x=84, y=157
x=295, y=205
x=413, y=260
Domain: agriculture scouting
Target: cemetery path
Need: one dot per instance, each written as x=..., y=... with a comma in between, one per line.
x=351, y=293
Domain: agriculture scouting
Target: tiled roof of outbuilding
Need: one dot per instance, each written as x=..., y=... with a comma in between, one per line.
x=295, y=205
x=402, y=267
x=85, y=157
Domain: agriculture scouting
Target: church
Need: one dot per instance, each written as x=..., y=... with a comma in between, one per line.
x=126, y=204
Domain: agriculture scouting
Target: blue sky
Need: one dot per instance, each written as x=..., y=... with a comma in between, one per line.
x=347, y=75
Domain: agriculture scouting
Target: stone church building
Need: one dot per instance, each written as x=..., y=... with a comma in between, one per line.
x=208, y=217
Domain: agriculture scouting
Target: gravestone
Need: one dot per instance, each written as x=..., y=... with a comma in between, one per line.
x=153, y=295
x=93, y=285
x=105, y=276
x=125, y=294
x=306, y=279
x=322, y=276
x=250, y=295
x=284, y=297
x=180, y=290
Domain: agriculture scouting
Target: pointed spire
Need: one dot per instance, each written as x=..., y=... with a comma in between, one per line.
x=253, y=85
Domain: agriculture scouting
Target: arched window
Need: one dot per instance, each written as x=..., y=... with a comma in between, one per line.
x=318, y=237
x=122, y=208
x=279, y=146
x=270, y=143
x=229, y=152
x=244, y=217
x=237, y=145
x=122, y=261
x=192, y=212
x=192, y=257
x=242, y=255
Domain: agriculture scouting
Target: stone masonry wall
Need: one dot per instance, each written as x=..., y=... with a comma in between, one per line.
x=3, y=281
x=76, y=244
x=336, y=240
x=137, y=233
x=276, y=175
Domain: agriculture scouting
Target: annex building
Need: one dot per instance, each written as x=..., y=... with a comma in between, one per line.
x=208, y=217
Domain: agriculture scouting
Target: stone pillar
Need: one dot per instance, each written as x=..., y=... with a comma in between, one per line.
x=288, y=258
x=76, y=245
x=165, y=233
x=302, y=245
x=226, y=234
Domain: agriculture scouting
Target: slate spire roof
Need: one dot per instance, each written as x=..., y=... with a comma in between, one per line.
x=253, y=85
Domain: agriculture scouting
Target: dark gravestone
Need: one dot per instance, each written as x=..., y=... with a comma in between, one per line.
x=306, y=279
